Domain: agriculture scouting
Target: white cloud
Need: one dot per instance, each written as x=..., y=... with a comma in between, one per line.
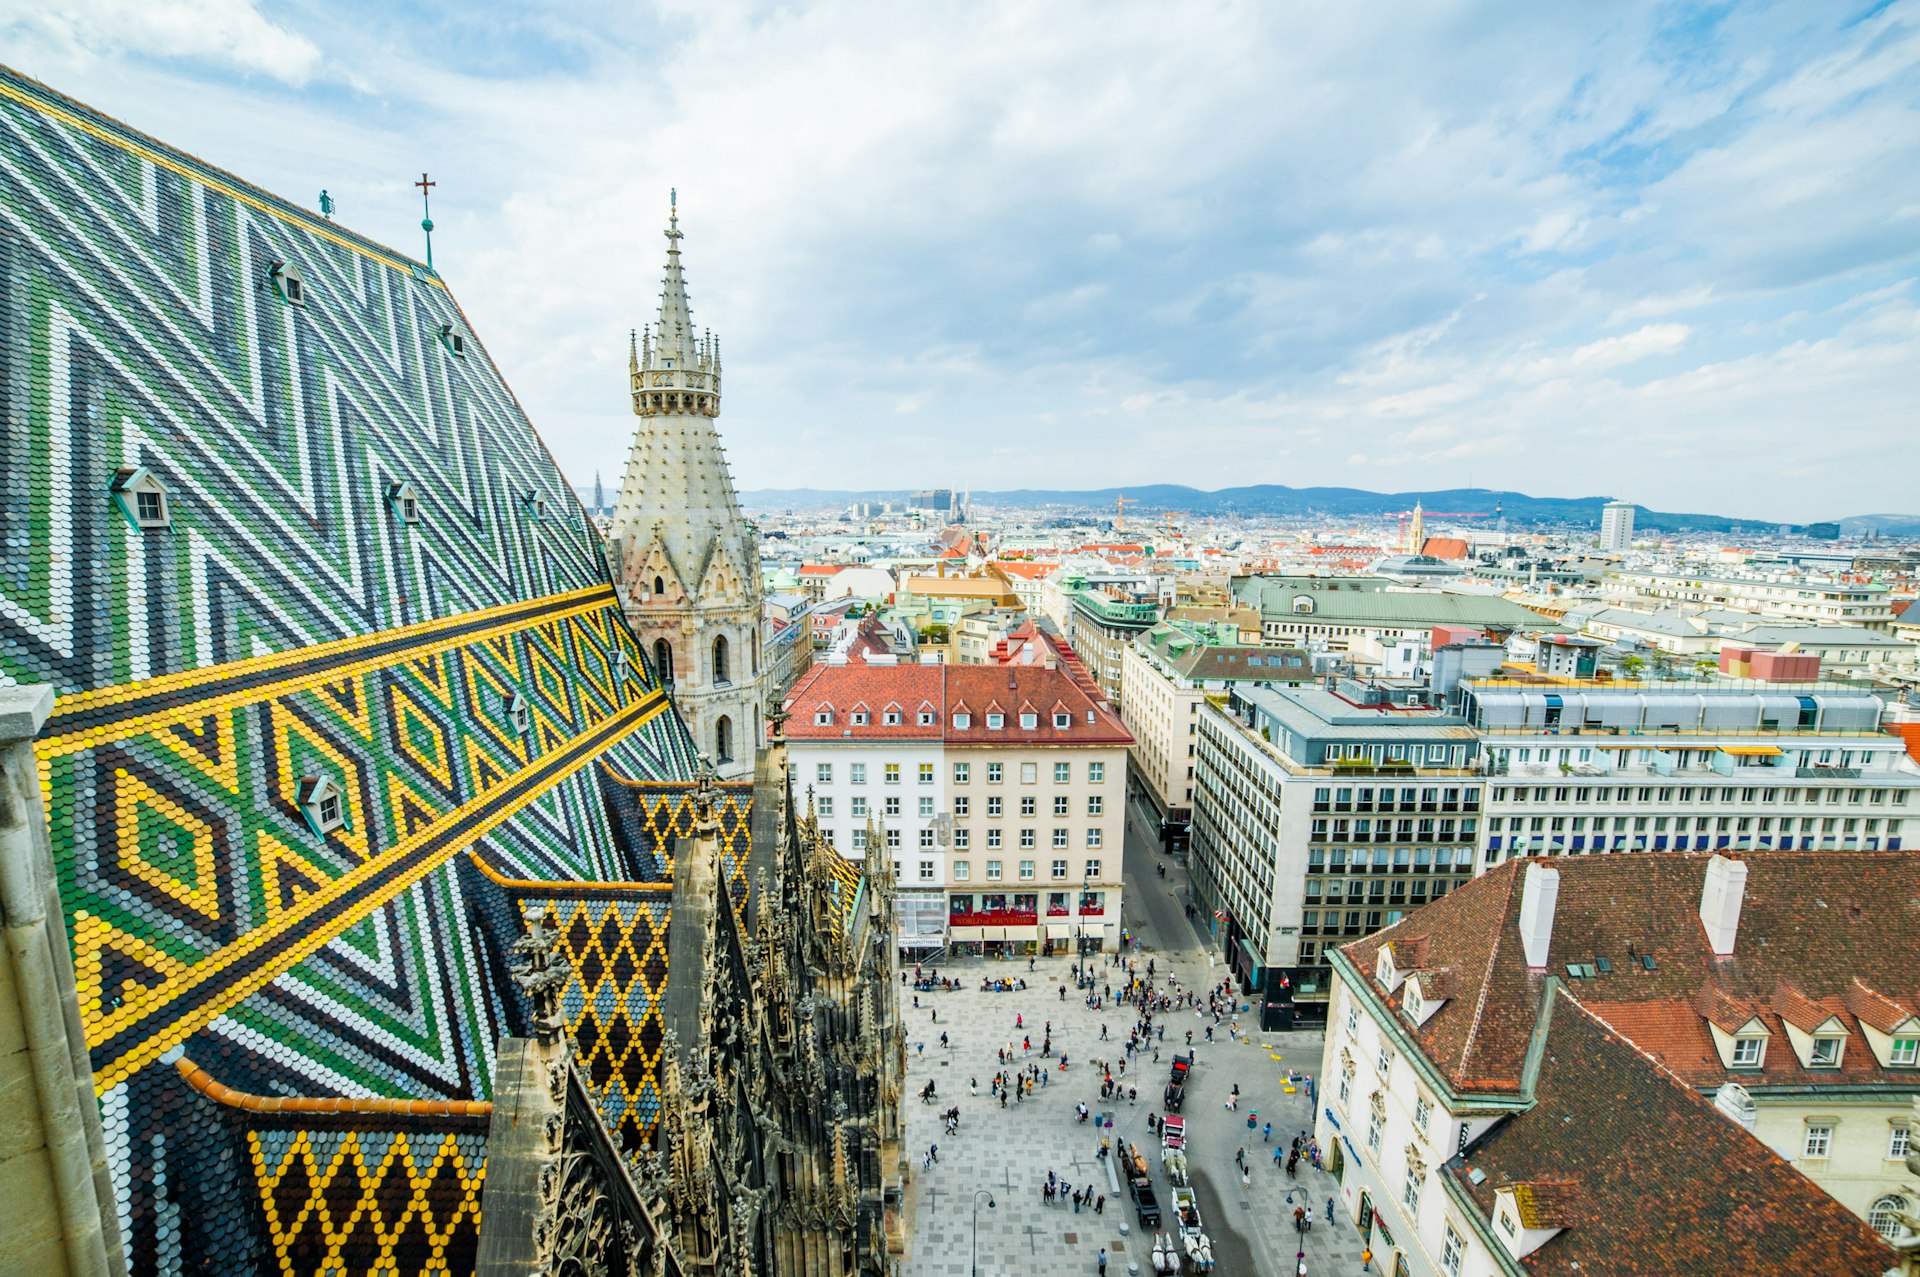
x=1461, y=238
x=225, y=32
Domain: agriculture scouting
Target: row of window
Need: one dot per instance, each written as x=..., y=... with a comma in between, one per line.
x=1744, y=794
x=1411, y=798
x=963, y=839
x=963, y=870
x=1399, y=860
x=1059, y=903
x=148, y=504
x=962, y=773
x=996, y=721
x=1818, y=1143
x=891, y=805
x=1701, y=824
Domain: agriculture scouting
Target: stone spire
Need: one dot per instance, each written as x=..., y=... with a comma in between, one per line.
x=673, y=333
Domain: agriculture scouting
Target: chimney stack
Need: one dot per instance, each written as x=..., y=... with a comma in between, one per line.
x=1538, y=894
x=1720, y=900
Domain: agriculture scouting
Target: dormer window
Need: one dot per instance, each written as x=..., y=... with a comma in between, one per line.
x=454, y=340
x=1061, y=722
x=823, y=718
x=288, y=284
x=996, y=721
x=1413, y=1001
x=622, y=665
x=404, y=501
x=1906, y=1053
x=142, y=499
x=1749, y=1052
x=891, y=718
x=961, y=722
x=322, y=804
x=1383, y=967
x=1029, y=721
x=519, y=713
x=925, y=718
x=1825, y=1053
x=859, y=718
x=536, y=503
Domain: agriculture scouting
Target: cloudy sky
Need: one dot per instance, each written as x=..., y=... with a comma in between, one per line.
x=1659, y=251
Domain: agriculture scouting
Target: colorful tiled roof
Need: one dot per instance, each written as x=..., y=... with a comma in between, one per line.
x=1645, y=1178
x=371, y=573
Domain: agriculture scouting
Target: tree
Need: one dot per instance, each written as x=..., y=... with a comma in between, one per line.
x=1632, y=666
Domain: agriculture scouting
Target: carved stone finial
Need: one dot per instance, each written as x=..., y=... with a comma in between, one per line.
x=706, y=796
x=542, y=973
x=777, y=725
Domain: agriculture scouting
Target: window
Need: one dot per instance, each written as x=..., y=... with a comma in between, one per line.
x=859, y=840
x=520, y=717
x=962, y=773
x=924, y=718
x=1029, y=722
x=1096, y=805
x=993, y=804
x=1452, y=1251
x=892, y=805
x=454, y=340
x=962, y=839
x=1095, y=838
x=858, y=718
x=1096, y=772
x=150, y=509
x=1029, y=773
x=859, y=807
x=1059, y=868
x=1825, y=1053
x=1061, y=722
x=1353, y=1018
x=824, y=807
x=1346, y=1087
x=1093, y=869
x=823, y=773
x=857, y=773
x=926, y=808
x=996, y=721
x=994, y=773
x=1883, y=1217
x=1027, y=806
x=993, y=871
x=1385, y=1063
x=1060, y=804
x=961, y=722
x=926, y=773
x=1411, y=1198
x=893, y=840
x=993, y=837
x=1748, y=1052
x=926, y=839
x=890, y=718
x=288, y=283
x=1906, y=1052
x=1026, y=838
x=1063, y=773
x=1898, y=1142
x=1421, y=1112
x=1026, y=871
x=1374, y=1125
x=926, y=871
x=1819, y=1142
x=1060, y=838
x=722, y=661
x=962, y=805
x=893, y=773
x=404, y=501
x=962, y=870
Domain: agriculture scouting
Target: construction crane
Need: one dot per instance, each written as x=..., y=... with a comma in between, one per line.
x=1168, y=516
x=1120, y=505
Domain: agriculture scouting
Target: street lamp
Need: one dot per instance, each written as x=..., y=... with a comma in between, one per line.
x=977, y=1195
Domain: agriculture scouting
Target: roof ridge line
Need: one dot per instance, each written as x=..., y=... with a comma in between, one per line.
x=1486, y=983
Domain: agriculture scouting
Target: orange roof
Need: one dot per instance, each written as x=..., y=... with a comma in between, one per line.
x=1445, y=548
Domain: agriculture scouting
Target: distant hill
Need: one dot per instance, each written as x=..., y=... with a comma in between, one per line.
x=1278, y=499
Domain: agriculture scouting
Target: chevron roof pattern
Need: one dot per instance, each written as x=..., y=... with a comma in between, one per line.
x=360, y=627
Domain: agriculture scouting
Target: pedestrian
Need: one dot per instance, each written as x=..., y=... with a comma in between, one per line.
x=1100, y=1204
x=1003, y=1098
x=936, y=1015
x=1133, y=1095
x=1063, y=993
x=926, y=1162
x=1076, y=1206
x=933, y=1151
x=1329, y=1210
x=1240, y=1157
x=1245, y=1181
x=1103, y=1261
x=1276, y=1157
x=916, y=1002
x=919, y=1048
x=1293, y=1164
x=943, y=1039
x=1266, y=1133
x=1103, y=1033
x=973, y=1086
x=1299, y=1219
x=1019, y=1022
x=1209, y=1033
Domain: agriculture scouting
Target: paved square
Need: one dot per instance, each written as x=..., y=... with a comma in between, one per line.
x=1007, y=1153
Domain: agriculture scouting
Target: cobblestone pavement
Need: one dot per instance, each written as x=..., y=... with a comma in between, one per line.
x=1007, y=1153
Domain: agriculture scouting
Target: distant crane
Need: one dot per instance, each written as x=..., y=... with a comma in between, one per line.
x=1168, y=516
x=1120, y=505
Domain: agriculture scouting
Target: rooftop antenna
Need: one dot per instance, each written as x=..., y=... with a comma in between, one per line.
x=426, y=219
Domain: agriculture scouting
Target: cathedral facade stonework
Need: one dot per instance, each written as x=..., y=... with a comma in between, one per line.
x=685, y=557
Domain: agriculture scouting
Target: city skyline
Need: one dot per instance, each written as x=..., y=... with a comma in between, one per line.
x=1660, y=251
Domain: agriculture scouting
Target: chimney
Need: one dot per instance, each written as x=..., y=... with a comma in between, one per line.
x=1538, y=893
x=1720, y=900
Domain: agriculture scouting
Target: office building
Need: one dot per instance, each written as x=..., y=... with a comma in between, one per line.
x=1616, y=527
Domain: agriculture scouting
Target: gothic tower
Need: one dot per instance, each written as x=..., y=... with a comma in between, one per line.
x=689, y=570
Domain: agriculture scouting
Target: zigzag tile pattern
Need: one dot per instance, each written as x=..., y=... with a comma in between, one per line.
x=289, y=623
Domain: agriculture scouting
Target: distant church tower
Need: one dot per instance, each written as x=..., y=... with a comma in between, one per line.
x=689, y=570
x=1417, y=535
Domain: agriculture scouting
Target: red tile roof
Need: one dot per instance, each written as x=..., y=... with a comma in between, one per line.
x=1810, y=923
x=821, y=569
x=1646, y=1178
x=1021, y=568
x=976, y=689
x=1445, y=548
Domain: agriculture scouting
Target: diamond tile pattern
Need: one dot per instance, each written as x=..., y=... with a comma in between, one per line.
x=370, y=574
